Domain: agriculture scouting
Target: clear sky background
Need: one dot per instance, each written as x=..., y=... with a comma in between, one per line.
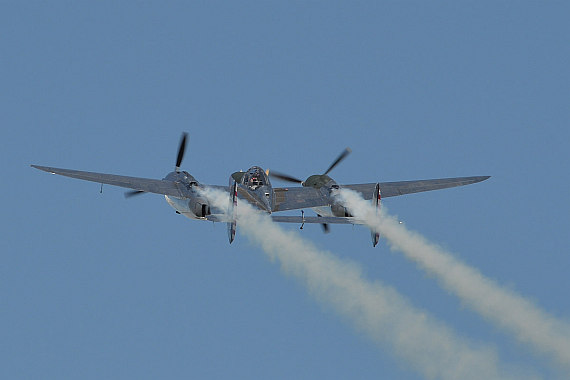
x=95, y=286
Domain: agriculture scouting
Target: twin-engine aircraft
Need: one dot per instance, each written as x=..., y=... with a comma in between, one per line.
x=185, y=194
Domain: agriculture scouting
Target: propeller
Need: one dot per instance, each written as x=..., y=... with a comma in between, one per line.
x=288, y=178
x=179, y=157
x=181, y=149
x=342, y=156
x=326, y=228
x=132, y=193
x=284, y=177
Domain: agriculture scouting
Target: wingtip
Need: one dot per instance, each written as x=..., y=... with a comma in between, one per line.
x=43, y=168
x=482, y=178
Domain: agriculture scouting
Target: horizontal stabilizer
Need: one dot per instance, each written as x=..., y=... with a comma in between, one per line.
x=315, y=219
x=292, y=219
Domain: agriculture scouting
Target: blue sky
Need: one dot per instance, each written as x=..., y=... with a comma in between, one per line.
x=93, y=285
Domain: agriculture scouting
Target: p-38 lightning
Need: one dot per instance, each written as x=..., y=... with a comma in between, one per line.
x=185, y=194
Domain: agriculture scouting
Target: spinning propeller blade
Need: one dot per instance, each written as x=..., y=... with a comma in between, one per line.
x=342, y=156
x=132, y=193
x=326, y=228
x=284, y=177
x=181, y=149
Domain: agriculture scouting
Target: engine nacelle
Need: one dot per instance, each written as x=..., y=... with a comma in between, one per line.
x=199, y=207
x=340, y=211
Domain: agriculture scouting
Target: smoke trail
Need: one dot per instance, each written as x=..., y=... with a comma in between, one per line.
x=503, y=307
x=426, y=344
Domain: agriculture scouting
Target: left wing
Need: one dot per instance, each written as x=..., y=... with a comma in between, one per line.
x=143, y=184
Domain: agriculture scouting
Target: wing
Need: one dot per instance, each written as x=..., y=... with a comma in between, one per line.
x=393, y=189
x=144, y=184
x=293, y=198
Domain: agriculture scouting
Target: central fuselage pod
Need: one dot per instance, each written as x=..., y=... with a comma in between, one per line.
x=255, y=187
x=193, y=205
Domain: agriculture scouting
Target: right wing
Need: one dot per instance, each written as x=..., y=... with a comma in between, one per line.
x=393, y=189
x=292, y=198
x=143, y=184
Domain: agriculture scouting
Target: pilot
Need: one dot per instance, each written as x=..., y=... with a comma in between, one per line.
x=254, y=182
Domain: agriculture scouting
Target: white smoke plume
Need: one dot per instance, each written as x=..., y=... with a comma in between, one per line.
x=503, y=307
x=380, y=312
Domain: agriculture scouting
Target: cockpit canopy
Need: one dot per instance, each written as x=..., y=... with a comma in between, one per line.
x=254, y=178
